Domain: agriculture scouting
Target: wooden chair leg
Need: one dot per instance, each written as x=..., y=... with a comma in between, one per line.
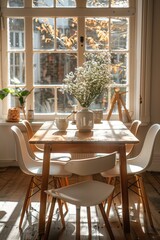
x=110, y=199
x=89, y=221
x=66, y=206
x=49, y=219
x=26, y=201
x=60, y=183
x=78, y=223
x=106, y=221
x=144, y=196
x=66, y=181
x=140, y=192
x=36, y=183
x=63, y=181
x=109, y=180
x=60, y=205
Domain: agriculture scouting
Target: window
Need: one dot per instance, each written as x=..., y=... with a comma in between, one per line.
x=45, y=40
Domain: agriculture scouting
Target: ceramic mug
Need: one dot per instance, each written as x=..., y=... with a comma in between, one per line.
x=61, y=124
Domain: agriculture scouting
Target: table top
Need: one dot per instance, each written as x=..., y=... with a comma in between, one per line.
x=104, y=132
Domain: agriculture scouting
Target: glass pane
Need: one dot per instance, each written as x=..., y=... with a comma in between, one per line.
x=51, y=68
x=119, y=66
x=119, y=33
x=97, y=34
x=66, y=102
x=119, y=3
x=66, y=3
x=44, y=100
x=43, y=35
x=42, y=3
x=15, y=3
x=16, y=68
x=101, y=102
x=66, y=33
x=16, y=33
x=97, y=3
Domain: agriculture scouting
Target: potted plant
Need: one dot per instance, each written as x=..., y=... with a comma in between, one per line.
x=18, y=92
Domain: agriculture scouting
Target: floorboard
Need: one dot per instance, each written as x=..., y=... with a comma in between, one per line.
x=13, y=184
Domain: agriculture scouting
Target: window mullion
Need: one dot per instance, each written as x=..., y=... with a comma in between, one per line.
x=29, y=60
x=131, y=63
x=131, y=3
x=81, y=3
x=28, y=3
x=81, y=46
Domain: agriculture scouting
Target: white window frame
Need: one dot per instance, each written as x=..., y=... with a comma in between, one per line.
x=134, y=106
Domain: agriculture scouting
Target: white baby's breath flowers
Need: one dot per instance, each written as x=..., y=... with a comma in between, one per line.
x=89, y=80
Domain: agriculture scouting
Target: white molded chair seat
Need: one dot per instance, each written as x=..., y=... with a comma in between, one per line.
x=29, y=166
x=76, y=193
x=86, y=193
x=131, y=169
x=138, y=165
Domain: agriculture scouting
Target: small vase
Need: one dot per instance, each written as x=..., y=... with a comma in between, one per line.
x=84, y=120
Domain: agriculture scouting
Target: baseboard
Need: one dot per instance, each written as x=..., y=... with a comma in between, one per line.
x=8, y=163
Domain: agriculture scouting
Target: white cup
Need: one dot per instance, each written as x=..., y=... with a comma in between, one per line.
x=61, y=124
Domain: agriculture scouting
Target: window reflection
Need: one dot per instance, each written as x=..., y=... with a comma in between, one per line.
x=51, y=68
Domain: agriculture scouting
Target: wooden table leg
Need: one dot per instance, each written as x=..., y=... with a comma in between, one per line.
x=124, y=190
x=44, y=186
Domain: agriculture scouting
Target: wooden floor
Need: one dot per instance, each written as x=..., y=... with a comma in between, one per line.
x=13, y=184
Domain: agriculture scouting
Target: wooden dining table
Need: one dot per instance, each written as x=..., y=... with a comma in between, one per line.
x=105, y=137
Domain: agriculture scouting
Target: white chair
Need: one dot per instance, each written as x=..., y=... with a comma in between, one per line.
x=86, y=193
x=136, y=166
x=134, y=129
x=29, y=166
x=37, y=151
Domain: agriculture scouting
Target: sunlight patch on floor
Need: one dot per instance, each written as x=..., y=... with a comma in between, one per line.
x=8, y=209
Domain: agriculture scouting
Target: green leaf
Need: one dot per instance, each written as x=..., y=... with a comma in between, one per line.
x=3, y=93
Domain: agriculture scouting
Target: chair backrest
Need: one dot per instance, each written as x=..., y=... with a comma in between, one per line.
x=91, y=166
x=28, y=127
x=144, y=158
x=23, y=157
x=29, y=130
x=134, y=129
x=134, y=126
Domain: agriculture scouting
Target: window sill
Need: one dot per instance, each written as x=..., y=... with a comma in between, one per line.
x=38, y=123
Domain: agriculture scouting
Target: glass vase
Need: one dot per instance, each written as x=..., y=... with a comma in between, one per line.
x=84, y=120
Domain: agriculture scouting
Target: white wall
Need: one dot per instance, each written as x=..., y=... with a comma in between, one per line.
x=155, y=90
x=7, y=146
x=7, y=142
x=155, y=78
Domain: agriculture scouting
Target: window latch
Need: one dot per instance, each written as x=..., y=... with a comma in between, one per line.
x=81, y=39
